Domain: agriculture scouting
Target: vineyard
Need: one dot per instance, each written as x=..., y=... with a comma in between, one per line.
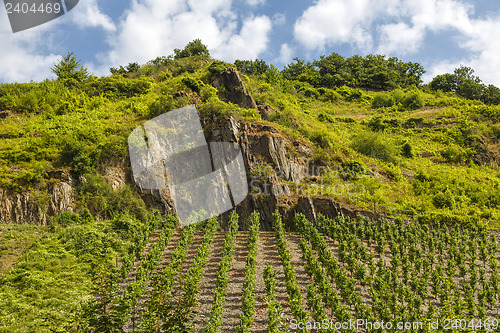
x=202, y=279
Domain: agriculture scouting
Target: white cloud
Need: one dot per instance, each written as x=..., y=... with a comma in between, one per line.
x=481, y=39
x=399, y=38
x=335, y=21
x=249, y=43
x=21, y=60
x=286, y=54
x=88, y=15
x=255, y=2
x=399, y=27
x=400, y=24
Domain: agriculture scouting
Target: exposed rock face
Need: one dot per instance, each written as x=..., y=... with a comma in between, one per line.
x=27, y=207
x=231, y=89
x=265, y=111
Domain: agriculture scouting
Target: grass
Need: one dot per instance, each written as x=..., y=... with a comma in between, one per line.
x=51, y=279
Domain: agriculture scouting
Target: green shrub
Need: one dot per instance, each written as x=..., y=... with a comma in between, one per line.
x=447, y=218
x=125, y=225
x=393, y=172
x=374, y=145
x=165, y=75
x=455, y=154
x=326, y=118
x=79, y=157
x=194, y=85
x=413, y=100
x=407, y=150
x=345, y=119
x=329, y=95
x=443, y=200
x=97, y=195
x=353, y=170
x=65, y=218
x=398, y=96
x=161, y=105
x=382, y=100
x=320, y=138
x=217, y=67
x=376, y=124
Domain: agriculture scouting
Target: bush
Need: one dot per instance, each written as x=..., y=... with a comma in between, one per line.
x=126, y=225
x=320, y=138
x=455, y=154
x=373, y=145
x=79, y=157
x=326, y=118
x=194, y=48
x=217, y=67
x=382, y=100
x=413, y=100
x=407, y=150
x=97, y=195
x=443, y=200
x=160, y=105
x=353, y=170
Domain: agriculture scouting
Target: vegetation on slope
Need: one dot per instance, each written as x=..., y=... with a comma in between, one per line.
x=379, y=133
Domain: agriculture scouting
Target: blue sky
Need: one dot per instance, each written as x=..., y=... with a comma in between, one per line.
x=440, y=34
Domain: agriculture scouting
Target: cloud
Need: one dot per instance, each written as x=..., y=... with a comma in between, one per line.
x=286, y=54
x=88, y=15
x=255, y=2
x=400, y=27
x=335, y=21
x=21, y=59
x=480, y=38
x=155, y=27
x=400, y=38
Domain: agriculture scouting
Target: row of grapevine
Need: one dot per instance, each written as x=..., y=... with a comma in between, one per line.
x=449, y=270
x=274, y=309
x=110, y=308
x=215, y=318
x=181, y=310
x=292, y=288
x=134, y=290
x=248, y=298
x=141, y=238
x=162, y=283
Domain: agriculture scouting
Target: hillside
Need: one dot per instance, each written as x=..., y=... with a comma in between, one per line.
x=332, y=140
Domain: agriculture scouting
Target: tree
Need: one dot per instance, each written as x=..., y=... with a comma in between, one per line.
x=300, y=70
x=256, y=66
x=445, y=82
x=331, y=69
x=194, y=48
x=70, y=68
